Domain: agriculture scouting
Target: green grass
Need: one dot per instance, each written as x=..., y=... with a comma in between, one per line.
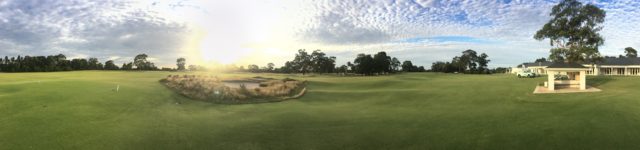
x=80, y=110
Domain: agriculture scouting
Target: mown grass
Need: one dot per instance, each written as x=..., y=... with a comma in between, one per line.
x=80, y=110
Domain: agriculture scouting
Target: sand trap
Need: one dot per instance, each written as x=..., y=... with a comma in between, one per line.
x=236, y=84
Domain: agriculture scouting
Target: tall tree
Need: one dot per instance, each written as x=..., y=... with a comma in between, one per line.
x=382, y=62
x=573, y=31
x=303, y=62
x=483, y=63
x=270, y=67
x=140, y=61
x=181, y=62
x=395, y=64
x=468, y=59
x=630, y=52
x=364, y=64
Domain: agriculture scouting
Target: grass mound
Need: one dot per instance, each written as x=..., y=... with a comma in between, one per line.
x=239, y=90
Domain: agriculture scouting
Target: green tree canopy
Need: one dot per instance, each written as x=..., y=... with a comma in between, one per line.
x=630, y=52
x=181, y=62
x=109, y=65
x=140, y=61
x=573, y=30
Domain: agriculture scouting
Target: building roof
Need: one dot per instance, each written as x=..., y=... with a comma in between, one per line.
x=620, y=61
x=612, y=61
x=565, y=65
x=537, y=64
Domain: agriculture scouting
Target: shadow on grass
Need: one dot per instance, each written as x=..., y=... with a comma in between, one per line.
x=599, y=80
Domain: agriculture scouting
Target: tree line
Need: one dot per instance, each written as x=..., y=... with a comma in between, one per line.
x=303, y=62
x=468, y=62
x=61, y=63
x=318, y=62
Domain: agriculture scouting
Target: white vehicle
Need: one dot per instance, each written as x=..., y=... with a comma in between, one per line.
x=526, y=73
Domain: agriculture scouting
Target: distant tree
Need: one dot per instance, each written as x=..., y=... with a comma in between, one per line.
x=270, y=67
x=539, y=60
x=342, y=69
x=124, y=66
x=79, y=64
x=630, y=52
x=302, y=62
x=287, y=68
x=382, y=62
x=364, y=64
x=181, y=62
x=322, y=63
x=421, y=69
x=573, y=30
x=351, y=66
x=140, y=61
x=127, y=66
x=483, y=63
x=395, y=64
x=109, y=65
x=469, y=58
x=468, y=62
x=12, y=65
x=253, y=68
x=62, y=62
x=195, y=68
x=439, y=66
x=407, y=66
x=500, y=70
x=94, y=64
x=592, y=57
x=240, y=69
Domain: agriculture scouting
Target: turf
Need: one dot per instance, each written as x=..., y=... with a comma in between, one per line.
x=81, y=110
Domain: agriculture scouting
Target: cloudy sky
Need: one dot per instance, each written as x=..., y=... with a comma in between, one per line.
x=262, y=31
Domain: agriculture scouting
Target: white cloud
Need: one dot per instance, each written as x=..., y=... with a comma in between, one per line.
x=120, y=29
x=86, y=28
x=511, y=22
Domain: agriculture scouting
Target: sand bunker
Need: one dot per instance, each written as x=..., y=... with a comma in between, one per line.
x=235, y=90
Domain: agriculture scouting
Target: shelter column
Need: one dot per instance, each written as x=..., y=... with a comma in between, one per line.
x=626, y=71
x=550, y=80
x=583, y=80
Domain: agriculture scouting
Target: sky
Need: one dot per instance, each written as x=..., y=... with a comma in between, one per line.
x=242, y=32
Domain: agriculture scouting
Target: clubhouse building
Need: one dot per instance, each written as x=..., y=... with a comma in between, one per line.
x=609, y=66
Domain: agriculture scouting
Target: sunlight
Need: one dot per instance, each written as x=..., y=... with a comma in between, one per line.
x=213, y=48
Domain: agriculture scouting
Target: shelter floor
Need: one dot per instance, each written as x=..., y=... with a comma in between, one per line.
x=545, y=90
